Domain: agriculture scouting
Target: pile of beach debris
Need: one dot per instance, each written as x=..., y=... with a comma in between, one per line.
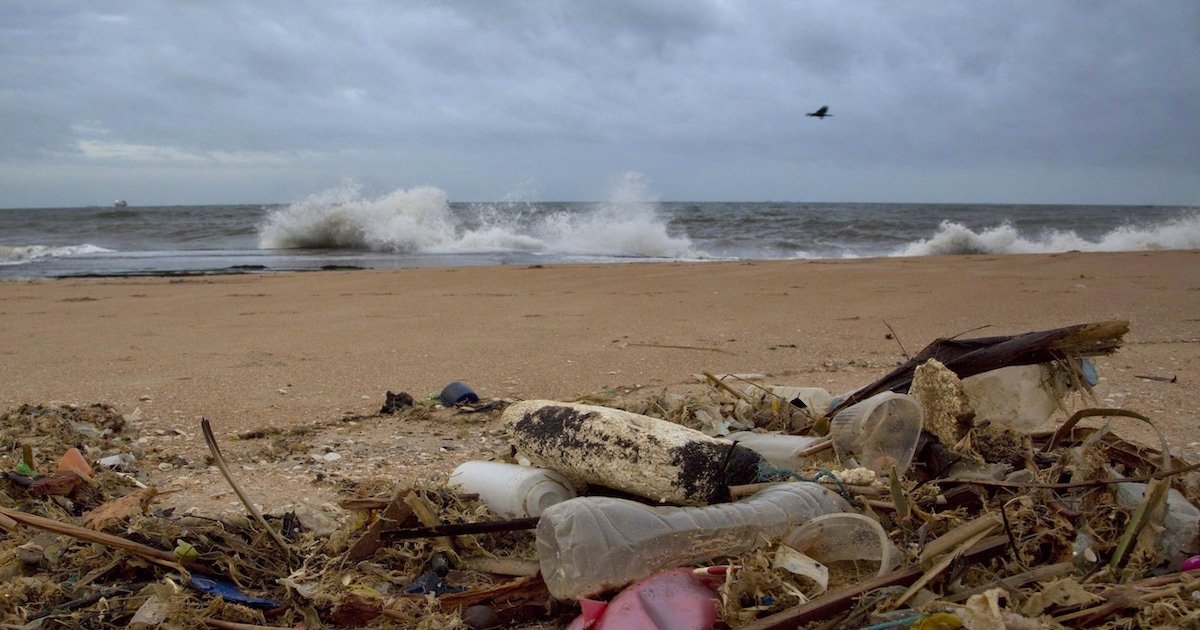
x=923, y=500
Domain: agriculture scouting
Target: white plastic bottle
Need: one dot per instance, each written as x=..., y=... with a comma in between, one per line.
x=510, y=490
x=590, y=544
x=779, y=449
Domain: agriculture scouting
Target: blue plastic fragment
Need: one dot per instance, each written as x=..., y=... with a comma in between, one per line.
x=431, y=582
x=230, y=593
x=1089, y=372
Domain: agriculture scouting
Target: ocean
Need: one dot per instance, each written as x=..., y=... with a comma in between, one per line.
x=420, y=227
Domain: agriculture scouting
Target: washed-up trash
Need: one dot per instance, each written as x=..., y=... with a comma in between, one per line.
x=433, y=581
x=1071, y=536
x=779, y=449
x=677, y=599
x=511, y=490
x=813, y=399
x=588, y=545
x=801, y=564
x=845, y=537
x=73, y=461
x=645, y=456
x=1181, y=521
x=879, y=433
x=230, y=593
x=457, y=393
x=120, y=461
x=1021, y=396
x=394, y=403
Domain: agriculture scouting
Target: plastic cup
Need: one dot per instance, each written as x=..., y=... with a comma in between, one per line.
x=842, y=537
x=879, y=433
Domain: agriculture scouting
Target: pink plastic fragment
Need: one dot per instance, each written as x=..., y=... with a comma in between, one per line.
x=672, y=600
x=1191, y=564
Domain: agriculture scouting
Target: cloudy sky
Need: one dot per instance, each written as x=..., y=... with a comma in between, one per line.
x=260, y=102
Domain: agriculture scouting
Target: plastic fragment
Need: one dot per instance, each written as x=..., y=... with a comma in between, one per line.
x=230, y=593
x=73, y=461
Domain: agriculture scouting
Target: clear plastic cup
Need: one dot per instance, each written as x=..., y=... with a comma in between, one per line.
x=879, y=433
x=842, y=537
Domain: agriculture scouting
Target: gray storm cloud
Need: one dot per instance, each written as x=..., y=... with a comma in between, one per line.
x=261, y=102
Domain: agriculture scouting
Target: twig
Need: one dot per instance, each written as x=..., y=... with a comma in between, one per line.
x=1165, y=379
x=722, y=385
x=462, y=529
x=206, y=428
x=955, y=537
x=897, y=339
x=671, y=347
x=158, y=556
x=1074, y=484
x=819, y=447
x=1012, y=540
x=88, y=600
x=221, y=624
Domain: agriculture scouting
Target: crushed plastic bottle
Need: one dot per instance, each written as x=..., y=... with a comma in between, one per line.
x=588, y=545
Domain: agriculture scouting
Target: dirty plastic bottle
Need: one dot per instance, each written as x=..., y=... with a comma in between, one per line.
x=588, y=545
x=510, y=490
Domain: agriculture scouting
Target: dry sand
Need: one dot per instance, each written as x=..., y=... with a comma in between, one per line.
x=255, y=351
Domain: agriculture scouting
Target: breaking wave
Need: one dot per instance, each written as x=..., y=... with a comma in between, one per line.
x=421, y=220
x=955, y=238
x=19, y=254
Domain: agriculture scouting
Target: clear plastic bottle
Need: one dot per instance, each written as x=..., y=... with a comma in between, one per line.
x=588, y=545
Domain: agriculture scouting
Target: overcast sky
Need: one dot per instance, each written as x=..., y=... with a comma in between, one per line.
x=261, y=102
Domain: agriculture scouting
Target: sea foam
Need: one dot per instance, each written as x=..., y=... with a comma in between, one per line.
x=18, y=254
x=421, y=220
x=955, y=238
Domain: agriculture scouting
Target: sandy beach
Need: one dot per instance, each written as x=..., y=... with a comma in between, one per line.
x=287, y=350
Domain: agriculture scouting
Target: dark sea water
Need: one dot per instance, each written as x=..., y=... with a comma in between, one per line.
x=421, y=228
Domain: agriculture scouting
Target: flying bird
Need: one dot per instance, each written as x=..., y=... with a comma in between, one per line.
x=820, y=113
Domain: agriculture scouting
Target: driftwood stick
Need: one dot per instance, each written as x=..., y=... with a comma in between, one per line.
x=159, y=556
x=968, y=357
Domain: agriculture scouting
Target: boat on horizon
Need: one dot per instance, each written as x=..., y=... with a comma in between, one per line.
x=120, y=203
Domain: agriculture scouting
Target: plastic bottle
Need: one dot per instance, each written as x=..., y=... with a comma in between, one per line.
x=510, y=490
x=588, y=545
x=778, y=449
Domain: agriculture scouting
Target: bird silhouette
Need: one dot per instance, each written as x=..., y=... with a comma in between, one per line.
x=822, y=112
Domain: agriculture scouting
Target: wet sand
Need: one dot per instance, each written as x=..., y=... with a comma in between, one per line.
x=290, y=349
